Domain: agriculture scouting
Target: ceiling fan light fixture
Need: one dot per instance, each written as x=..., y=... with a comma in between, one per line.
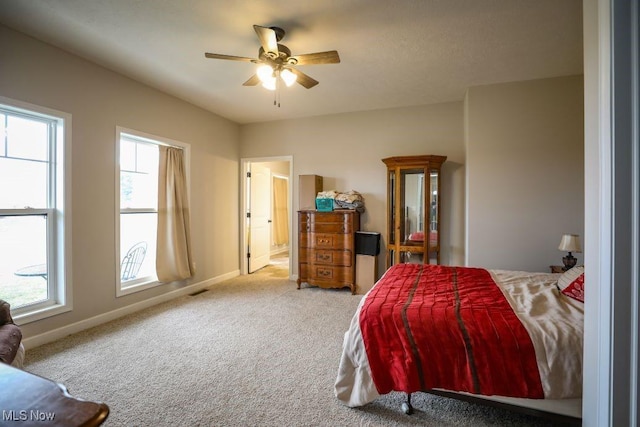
x=288, y=77
x=265, y=73
x=269, y=84
x=275, y=63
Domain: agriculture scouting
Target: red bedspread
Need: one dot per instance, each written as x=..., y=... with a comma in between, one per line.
x=432, y=326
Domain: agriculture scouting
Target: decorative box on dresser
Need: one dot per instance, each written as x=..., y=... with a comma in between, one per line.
x=326, y=248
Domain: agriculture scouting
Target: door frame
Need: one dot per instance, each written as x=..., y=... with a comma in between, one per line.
x=611, y=390
x=245, y=165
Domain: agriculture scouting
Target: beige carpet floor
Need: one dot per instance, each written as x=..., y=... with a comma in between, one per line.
x=251, y=351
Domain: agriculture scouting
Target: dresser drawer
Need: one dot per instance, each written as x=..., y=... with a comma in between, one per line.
x=326, y=241
x=325, y=274
x=326, y=227
x=327, y=222
x=318, y=256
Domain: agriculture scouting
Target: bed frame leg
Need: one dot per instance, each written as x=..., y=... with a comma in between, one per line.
x=406, y=406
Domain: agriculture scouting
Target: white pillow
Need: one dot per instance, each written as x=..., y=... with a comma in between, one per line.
x=569, y=276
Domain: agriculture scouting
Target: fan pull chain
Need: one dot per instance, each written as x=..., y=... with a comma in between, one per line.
x=277, y=94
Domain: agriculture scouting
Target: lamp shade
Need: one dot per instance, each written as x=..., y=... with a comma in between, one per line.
x=265, y=73
x=570, y=243
x=269, y=84
x=288, y=77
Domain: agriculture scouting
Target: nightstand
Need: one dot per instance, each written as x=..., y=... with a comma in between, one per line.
x=556, y=268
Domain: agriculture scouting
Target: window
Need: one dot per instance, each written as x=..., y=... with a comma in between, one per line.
x=138, y=209
x=33, y=233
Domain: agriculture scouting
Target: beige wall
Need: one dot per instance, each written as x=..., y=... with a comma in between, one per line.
x=99, y=100
x=525, y=172
x=523, y=152
x=347, y=149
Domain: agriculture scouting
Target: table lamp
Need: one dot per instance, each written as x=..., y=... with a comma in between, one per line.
x=569, y=243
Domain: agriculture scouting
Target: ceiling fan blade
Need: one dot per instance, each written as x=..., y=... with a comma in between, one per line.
x=253, y=81
x=231, y=57
x=328, y=57
x=267, y=38
x=303, y=79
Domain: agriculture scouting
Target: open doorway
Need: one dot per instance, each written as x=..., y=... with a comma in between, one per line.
x=266, y=215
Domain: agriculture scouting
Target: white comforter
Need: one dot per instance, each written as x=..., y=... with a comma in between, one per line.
x=554, y=322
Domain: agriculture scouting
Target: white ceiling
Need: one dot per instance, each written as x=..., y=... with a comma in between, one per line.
x=393, y=53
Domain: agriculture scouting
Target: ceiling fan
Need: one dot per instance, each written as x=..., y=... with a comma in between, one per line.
x=276, y=63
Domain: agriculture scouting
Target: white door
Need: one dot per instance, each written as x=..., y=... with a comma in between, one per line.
x=259, y=217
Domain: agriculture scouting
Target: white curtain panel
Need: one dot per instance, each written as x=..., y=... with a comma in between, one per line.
x=173, y=256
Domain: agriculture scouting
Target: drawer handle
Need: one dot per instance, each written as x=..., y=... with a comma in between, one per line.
x=325, y=273
x=323, y=240
x=325, y=257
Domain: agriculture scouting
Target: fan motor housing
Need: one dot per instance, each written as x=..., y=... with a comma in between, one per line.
x=279, y=33
x=284, y=55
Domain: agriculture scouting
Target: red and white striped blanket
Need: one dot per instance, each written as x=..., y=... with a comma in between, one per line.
x=462, y=329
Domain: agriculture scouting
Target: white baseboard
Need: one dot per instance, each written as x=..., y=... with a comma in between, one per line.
x=56, y=334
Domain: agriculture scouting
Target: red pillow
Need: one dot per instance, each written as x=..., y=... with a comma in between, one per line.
x=575, y=289
x=418, y=236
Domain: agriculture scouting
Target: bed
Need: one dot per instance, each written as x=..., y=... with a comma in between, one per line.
x=508, y=338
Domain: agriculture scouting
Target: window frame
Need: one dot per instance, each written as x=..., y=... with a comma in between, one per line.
x=140, y=284
x=58, y=211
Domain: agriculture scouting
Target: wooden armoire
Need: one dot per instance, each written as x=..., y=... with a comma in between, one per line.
x=413, y=209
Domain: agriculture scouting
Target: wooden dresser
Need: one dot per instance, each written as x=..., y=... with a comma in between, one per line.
x=326, y=248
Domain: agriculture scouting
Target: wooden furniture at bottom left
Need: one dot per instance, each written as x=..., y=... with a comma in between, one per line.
x=30, y=400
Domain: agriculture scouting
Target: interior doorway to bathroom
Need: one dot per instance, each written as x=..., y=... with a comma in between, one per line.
x=266, y=213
